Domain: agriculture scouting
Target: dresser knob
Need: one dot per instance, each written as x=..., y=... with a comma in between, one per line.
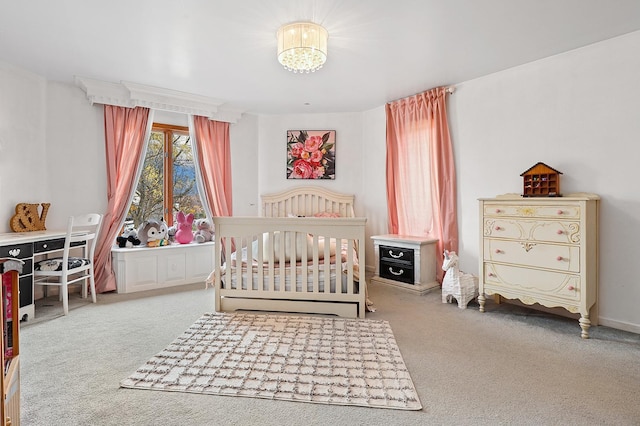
x=497, y=228
x=559, y=258
x=560, y=232
x=560, y=211
x=498, y=251
x=498, y=210
x=491, y=274
x=571, y=288
x=44, y=246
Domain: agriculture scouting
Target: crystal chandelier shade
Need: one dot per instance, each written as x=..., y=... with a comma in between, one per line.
x=302, y=46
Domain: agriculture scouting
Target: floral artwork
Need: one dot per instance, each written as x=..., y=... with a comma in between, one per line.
x=311, y=154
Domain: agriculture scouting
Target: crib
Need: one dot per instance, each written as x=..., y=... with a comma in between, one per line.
x=303, y=255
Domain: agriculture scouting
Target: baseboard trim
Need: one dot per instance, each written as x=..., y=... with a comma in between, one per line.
x=620, y=325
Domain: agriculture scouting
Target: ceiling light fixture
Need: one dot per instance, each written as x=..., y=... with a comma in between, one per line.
x=302, y=46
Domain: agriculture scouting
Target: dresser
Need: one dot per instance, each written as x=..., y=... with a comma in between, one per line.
x=541, y=250
x=406, y=261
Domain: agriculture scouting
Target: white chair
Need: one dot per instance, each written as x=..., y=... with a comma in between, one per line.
x=82, y=234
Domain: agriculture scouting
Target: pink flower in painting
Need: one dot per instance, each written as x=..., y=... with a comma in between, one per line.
x=313, y=143
x=316, y=157
x=302, y=170
x=297, y=149
x=318, y=172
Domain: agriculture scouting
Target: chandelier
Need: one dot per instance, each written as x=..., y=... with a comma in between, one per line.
x=302, y=46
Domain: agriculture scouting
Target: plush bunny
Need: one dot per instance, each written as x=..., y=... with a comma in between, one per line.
x=184, y=235
x=203, y=231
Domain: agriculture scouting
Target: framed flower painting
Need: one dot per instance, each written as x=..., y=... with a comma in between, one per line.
x=311, y=154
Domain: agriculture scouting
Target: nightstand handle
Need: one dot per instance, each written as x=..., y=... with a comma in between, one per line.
x=396, y=273
x=396, y=256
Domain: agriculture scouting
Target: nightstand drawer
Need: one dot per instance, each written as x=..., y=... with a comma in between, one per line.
x=396, y=272
x=396, y=255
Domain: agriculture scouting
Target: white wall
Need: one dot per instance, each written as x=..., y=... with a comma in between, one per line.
x=577, y=112
x=75, y=154
x=23, y=160
x=245, y=154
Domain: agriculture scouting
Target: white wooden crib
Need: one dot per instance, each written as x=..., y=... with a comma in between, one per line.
x=297, y=257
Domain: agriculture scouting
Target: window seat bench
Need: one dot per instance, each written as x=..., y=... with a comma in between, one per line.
x=148, y=268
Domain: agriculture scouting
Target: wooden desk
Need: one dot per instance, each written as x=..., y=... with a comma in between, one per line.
x=24, y=246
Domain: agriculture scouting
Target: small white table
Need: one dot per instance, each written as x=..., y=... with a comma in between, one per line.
x=406, y=261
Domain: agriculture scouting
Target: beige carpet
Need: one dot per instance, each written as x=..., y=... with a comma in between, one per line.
x=295, y=358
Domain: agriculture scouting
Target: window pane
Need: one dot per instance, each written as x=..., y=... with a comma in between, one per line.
x=147, y=200
x=185, y=190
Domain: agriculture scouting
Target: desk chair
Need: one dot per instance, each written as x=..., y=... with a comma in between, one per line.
x=82, y=234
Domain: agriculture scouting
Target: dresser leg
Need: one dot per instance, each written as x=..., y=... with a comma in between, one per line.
x=481, y=300
x=585, y=323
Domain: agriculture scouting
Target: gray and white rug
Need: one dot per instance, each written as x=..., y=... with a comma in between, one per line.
x=295, y=358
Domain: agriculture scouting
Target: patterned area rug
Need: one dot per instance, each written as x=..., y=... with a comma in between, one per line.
x=294, y=358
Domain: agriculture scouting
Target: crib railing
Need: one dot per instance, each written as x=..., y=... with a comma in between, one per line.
x=292, y=259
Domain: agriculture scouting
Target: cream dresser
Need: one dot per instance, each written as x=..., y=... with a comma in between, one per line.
x=541, y=250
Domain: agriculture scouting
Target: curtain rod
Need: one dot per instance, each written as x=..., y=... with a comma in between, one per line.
x=449, y=90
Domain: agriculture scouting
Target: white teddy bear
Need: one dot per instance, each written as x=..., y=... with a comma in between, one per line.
x=203, y=232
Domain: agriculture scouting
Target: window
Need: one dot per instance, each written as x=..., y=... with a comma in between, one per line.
x=168, y=180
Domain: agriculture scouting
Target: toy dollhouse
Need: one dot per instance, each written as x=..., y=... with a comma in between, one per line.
x=541, y=180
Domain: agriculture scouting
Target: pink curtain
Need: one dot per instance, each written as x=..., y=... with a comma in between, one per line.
x=421, y=178
x=125, y=132
x=213, y=150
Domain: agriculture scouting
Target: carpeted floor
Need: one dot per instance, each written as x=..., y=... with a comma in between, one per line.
x=508, y=366
x=289, y=357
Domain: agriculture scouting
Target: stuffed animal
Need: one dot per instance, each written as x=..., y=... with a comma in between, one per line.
x=153, y=233
x=203, y=231
x=171, y=234
x=128, y=239
x=184, y=235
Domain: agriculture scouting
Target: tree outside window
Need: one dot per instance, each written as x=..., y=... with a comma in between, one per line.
x=167, y=183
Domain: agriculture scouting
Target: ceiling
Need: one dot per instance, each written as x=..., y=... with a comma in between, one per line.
x=379, y=50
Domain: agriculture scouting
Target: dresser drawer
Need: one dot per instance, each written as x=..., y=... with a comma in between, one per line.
x=397, y=255
x=540, y=255
x=397, y=272
x=17, y=251
x=553, y=231
x=535, y=283
x=556, y=211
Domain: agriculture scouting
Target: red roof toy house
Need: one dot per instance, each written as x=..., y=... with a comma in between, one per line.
x=541, y=180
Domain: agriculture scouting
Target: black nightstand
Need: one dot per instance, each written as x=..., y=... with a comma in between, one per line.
x=406, y=261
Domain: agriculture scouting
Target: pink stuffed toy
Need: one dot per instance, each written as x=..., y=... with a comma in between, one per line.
x=184, y=235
